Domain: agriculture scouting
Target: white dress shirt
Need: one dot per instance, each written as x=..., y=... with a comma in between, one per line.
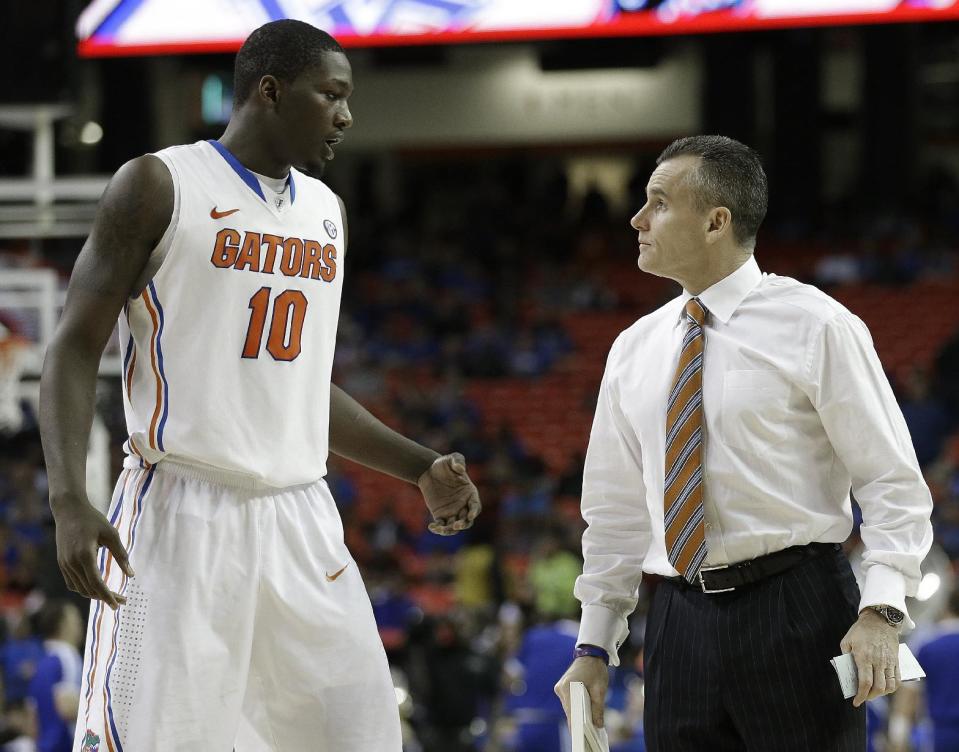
x=797, y=412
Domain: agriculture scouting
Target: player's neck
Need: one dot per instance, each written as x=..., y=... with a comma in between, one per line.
x=247, y=144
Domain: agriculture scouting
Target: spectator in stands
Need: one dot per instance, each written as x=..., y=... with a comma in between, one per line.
x=17, y=729
x=542, y=657
x=553, y=570
x=460, y=683
x=55, y=687
x=947, y=377
x=395, y=612
x=486, y=352
x=526, y=359
x=943, y=477
x=925, y=415
x=529, y=498
x=571, y=481
x=13, y=359
x=939, y=658
x=509, y=441
x=478, y=579
x=450, y=316
x=837, y=269
x=626, y=700
x=19, y=656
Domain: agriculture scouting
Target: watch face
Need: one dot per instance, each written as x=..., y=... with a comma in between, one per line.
x=894, y=615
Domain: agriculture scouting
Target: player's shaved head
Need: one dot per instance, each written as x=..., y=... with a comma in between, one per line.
x=283, y=49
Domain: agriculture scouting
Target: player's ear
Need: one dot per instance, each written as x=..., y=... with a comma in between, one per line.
x=269, y=90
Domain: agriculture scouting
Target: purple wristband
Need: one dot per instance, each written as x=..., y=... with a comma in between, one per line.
x=591, y=651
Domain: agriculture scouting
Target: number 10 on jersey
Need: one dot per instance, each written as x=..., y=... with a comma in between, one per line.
x=286, y=326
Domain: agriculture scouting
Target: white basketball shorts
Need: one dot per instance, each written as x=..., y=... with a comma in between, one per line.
x=247, y=626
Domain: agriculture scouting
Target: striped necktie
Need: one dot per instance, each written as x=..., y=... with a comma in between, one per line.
x=683, y=496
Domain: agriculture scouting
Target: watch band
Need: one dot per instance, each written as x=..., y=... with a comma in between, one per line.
x=893, y=616
x=591, y=651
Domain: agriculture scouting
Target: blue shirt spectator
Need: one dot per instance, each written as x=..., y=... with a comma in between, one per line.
x=55, y=688
x=55, y=692
x=543, y=657
x=939, y=658
x=19, y=659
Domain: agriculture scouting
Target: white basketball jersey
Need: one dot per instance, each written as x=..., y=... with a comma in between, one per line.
x=228, y=350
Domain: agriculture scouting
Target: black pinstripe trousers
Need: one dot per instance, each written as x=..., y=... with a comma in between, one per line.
x=749, y=671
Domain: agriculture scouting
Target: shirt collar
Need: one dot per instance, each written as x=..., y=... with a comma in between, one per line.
x=246, y=175
x=723, y=298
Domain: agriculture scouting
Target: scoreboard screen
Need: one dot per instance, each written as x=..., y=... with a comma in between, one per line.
x=151, y=27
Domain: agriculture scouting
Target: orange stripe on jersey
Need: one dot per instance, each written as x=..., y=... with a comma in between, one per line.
x=156, y=371
x=130, y=368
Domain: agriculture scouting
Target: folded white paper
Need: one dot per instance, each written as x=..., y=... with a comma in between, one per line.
x=845, y=665
x=586, y=737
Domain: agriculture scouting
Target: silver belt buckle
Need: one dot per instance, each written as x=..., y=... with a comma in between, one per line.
x=702, y=582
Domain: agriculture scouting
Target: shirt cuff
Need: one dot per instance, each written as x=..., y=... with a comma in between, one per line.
x=884, y=585
x=604, y=628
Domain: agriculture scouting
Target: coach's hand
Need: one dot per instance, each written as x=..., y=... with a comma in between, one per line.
x=450, y=495
x=874, y=645
x=595, y=676
x=81, y=530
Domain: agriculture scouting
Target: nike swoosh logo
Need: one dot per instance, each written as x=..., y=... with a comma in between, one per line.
x=331, y=577
x=214, y=214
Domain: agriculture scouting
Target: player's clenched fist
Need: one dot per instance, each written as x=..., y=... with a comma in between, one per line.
x=450, y=495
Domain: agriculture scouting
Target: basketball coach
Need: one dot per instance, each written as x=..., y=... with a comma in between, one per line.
x=731, y=426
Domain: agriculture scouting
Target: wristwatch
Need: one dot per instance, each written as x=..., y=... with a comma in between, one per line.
x=893, y=616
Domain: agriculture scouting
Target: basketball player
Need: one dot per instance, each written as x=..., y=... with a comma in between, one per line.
x=229, y=613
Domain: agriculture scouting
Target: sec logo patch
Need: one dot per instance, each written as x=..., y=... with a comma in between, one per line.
x=330, y=228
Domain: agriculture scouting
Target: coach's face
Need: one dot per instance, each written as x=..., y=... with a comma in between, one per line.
x=672, y=229
x=314, y=111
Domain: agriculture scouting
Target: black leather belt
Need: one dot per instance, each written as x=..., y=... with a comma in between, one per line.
x=725, y=579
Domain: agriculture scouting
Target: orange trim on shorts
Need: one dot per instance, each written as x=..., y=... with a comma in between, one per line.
x=107, y=730
x=95, y=643
x=106, y=720
x=138, y=453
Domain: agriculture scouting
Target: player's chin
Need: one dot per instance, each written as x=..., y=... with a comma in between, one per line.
x=314, y=167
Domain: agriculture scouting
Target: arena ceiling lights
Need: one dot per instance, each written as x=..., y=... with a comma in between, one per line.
x=151, y=27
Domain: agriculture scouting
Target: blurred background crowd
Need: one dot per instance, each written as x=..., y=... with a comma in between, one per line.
x=484, y=287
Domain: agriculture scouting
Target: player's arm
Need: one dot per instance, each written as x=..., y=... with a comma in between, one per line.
x=132, y=216
x=447, y=489
x=357, y=435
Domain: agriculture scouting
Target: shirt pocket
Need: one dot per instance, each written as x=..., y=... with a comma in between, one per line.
x=754, y=410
